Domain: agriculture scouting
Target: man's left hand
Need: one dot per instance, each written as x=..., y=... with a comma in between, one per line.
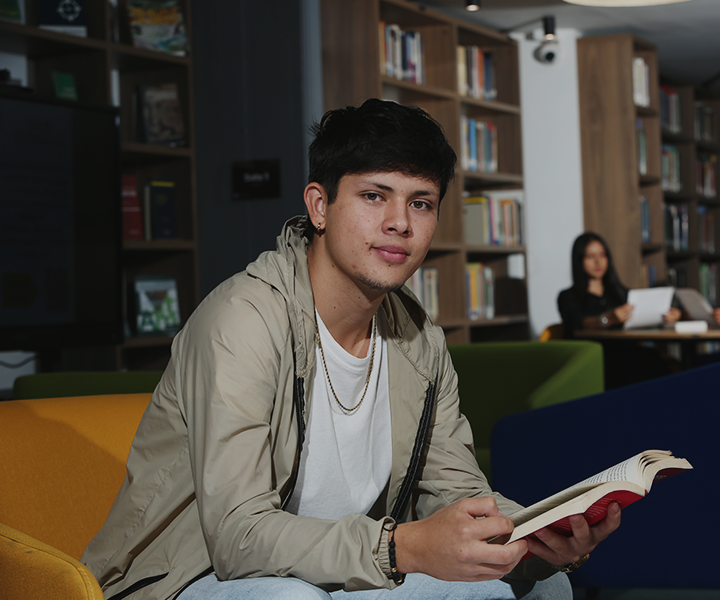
x=560, y=550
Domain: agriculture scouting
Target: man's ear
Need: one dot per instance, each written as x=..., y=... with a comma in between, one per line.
x=316, y=203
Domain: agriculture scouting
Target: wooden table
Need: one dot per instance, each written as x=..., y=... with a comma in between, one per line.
x=687, y=341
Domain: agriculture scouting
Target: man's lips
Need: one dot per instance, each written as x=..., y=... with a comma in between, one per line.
x=395, y=254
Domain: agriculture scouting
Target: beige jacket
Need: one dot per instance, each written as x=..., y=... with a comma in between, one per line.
x=215, y=455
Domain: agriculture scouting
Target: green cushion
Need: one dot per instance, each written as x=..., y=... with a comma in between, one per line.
x=84, y=383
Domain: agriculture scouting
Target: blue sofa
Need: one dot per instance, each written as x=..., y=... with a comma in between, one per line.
x=666, y=540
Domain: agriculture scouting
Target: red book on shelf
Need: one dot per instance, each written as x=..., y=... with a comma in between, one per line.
x=132, y=223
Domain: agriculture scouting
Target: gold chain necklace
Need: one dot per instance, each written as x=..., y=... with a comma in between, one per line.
x=367, y=380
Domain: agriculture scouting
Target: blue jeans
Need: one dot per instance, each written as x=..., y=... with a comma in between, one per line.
x=416, y=587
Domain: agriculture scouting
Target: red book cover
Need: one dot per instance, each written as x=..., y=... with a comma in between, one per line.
x=132, y=223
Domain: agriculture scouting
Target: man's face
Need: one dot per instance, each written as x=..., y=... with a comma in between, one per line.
x=380, y=227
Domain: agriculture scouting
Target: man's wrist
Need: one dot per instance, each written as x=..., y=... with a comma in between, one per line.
x=604, y=320
x=395, y=574
x=570, y=567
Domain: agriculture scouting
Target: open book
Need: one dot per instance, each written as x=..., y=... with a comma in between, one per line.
x=624, y=483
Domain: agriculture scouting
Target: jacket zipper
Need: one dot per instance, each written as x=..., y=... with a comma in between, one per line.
x=299, y=402
x=408, y=483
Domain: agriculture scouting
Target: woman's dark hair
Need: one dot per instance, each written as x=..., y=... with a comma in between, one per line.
x=611, y=281
x=379, y=136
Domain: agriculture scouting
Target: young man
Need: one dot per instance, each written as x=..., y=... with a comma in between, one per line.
x=305, y=438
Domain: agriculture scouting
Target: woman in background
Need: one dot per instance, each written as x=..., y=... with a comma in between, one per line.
x=598, y=300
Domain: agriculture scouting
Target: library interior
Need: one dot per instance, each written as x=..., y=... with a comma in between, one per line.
x=152, y=149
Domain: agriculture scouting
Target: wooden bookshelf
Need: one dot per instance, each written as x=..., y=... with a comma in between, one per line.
x=613, y=180
x=683, y=213
x=352, y=72
x=105, y=67
x=690, y=138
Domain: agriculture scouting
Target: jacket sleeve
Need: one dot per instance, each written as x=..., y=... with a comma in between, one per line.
x=235, y=378
x=451, y=472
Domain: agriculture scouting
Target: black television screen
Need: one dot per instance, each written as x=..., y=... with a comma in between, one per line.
x=60, y=235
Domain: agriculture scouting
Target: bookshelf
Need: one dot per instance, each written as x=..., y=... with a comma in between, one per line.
x=670, y=236
x=107, y=69
x=691, y=149
x=620, y=116
x=354, y=37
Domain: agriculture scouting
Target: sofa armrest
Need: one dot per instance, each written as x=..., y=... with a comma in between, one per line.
x=30, y=569
x=581, y=375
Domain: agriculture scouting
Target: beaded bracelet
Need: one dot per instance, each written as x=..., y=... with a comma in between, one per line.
x=397, y=576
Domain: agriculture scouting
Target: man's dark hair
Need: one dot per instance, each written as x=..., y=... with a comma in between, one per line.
x=380, y=136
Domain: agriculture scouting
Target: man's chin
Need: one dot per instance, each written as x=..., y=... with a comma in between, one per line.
x=382, y=287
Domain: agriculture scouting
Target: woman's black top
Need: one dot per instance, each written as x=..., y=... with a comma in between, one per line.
x=573, y=311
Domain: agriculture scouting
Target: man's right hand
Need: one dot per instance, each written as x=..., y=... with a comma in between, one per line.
x=451, y=543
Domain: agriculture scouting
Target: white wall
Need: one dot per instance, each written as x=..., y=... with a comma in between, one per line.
x=552, y=168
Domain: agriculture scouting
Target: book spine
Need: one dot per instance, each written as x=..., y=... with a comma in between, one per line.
x=132, y=221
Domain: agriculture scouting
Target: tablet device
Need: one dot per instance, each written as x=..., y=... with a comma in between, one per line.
x=696, y=306
x=649, y=306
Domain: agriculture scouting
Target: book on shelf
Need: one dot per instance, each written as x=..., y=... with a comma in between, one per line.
x=462, y=73
x=641, y=81
x=62, y=16
x=706, y=230
x=494, y=218
x=159, y=210
x=645, y=231
x=158, y=25
x=670, y=110
x=709, y=282
x=425, y=285
x=704, y=123
x=64, y=85
x=132, y=218
x=706, y=175
x=401, y=53
x=489, y=275
x=677, y=220
x=670, y=168
x=158, y=308
x=479, y=145
x=479, y=292
x=476, y=73
x=642, y=147
x=160, y=118
x=12, y=10
x=624, y=483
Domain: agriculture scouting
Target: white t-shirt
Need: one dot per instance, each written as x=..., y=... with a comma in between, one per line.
x=347, y=456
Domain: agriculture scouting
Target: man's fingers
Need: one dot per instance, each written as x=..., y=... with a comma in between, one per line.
x=479, y=507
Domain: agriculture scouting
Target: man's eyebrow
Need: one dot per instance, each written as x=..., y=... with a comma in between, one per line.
x=389, y=188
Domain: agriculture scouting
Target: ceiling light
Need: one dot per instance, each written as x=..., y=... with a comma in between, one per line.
x=624, y=3
x=471, y=5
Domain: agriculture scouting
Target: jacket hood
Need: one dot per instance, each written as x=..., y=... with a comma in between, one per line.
x=286, y=270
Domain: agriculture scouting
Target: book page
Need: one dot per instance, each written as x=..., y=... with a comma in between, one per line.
x=628, y=470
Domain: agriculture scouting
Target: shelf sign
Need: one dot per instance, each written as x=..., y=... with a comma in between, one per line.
x=256, y=179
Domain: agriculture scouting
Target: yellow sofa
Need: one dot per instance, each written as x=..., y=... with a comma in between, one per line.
x=62, y=461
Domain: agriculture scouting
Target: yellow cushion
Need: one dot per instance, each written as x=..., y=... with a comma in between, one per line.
x=30, y=570
x=62, y=462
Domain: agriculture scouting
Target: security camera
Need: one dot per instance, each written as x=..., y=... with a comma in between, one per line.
x=547, y=51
